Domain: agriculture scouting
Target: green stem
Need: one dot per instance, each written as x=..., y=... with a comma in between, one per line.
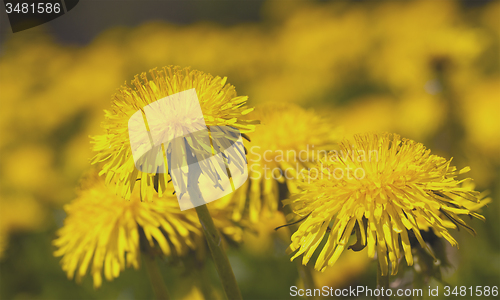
x=304, y=271
x=418, y=282
x=382, y=283
x=212, y=236
x=307, y=278
x=154, y=274
x=222, y=264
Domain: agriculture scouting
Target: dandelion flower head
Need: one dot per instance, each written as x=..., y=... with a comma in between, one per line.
x=377, y=187
x=219, y=103
x=101, y=232
x=287, y=141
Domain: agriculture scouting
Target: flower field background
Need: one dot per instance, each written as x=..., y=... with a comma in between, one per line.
x=426, y=70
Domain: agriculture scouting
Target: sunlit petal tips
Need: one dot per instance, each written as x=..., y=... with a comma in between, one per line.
x=385, y=189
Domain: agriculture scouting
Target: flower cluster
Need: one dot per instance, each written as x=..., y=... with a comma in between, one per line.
x=104, y=224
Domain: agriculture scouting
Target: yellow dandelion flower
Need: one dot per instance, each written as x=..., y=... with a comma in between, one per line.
x=378, y=186
x=219, y=104
x=101, y=231
x=288, y=140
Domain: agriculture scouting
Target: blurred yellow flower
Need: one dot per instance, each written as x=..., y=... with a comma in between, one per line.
x=371, y=113
x=417, y=115
x=19, y=213
x=304, y=59
x=219, y=103
x=378, y=186
x=481, y=115
x=30, y=168
x=289, y=140
x=405, y=53
x=261, y=240
x=347, y=269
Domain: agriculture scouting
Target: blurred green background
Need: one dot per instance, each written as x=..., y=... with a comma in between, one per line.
x=428, y=70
